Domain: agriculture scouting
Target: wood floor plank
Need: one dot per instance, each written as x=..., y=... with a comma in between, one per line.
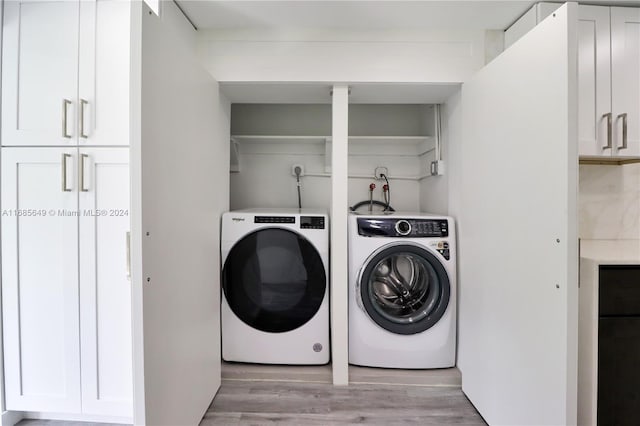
x=274, y=400
x=245, y=403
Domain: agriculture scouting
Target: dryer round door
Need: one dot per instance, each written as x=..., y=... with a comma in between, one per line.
x=274, y=280
x=404, y=289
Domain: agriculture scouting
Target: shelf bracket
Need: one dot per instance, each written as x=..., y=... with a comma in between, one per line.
x=234, y=158
x=327, y=155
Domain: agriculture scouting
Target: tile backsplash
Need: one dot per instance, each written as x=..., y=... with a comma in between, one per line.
x=609, y=202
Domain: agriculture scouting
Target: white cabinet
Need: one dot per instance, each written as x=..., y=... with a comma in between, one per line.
x=66, y=297
x=625, y=80
x=77, y=334
x=40, y=280
x=65, y=79
x=608, y=79
x=530, y=19
x=511, y=126
x=65, y=219
x=105, y=289
x=609, y=83
x=594, y=81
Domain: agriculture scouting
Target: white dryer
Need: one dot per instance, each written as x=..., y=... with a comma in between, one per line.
x=402, y=291
x=275, y=292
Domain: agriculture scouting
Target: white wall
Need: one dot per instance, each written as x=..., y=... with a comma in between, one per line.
x=315, y=119
x=342, y=55
x=453, y=137
x=405, y=195
x=281, y=119
x=265, y=178
x=609, y=202
x=452, y=116
x=436, y=191
x=1, y=338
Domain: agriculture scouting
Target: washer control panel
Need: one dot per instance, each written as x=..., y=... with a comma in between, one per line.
x=395, y=227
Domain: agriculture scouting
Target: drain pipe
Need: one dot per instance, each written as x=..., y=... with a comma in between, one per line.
x=437, y=166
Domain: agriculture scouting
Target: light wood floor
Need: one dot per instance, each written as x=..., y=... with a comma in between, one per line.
x=285, y=395
x=35, y=422
x=260, y=395
x=290, y=403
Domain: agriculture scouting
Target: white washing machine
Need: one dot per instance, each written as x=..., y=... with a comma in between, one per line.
x=402, y=291
x=275, y=287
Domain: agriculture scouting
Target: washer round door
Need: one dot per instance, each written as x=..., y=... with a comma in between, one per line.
x=274, y=280
x=405, y=289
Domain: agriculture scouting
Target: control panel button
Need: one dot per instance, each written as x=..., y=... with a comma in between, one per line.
x=403, y=227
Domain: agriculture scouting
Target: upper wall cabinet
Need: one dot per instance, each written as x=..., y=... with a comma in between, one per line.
x=625, y=80
x=608, y=79
x=65, y=73
x=609, y=83
x=595, y=122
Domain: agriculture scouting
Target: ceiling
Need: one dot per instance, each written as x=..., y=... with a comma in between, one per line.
x=360, y=93
x=353, y=14
x=362, y=14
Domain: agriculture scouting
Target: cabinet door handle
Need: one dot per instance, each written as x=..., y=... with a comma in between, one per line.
x=608, y=116
x=64, y=172
x=624, y=130
x=82, y=104
x=82, y=158
x=128, y=248
x=65, y=108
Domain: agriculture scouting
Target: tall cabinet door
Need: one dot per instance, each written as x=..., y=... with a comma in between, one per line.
x=40, y=72
x=40, y=280
x=517, y=230
x=625, y=82
x=103, y=81
x=594, y=77
x=105, y=289
x=184, y=147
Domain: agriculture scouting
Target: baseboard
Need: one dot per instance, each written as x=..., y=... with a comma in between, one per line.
x=10, y=418
x=76, y=417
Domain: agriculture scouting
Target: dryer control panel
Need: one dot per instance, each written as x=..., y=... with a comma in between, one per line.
x=306, y=222
x=274, y=219
x=311, y=222
x=397, y=227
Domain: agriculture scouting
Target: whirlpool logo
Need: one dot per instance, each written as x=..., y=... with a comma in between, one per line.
x=237, y=219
